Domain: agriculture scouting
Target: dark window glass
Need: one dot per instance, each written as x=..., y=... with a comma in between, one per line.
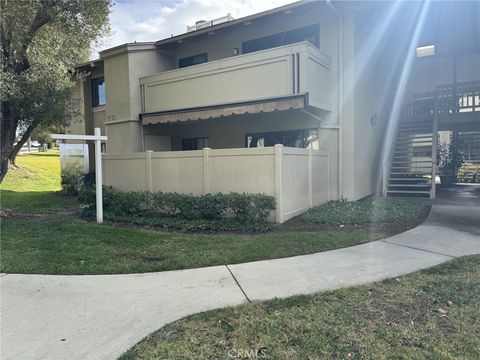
x=195, y=143
x=309, y=33
x=98, y=92
x=302, y=138
x=192, y=60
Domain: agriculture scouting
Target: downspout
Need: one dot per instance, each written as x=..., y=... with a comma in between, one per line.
x=340, y=96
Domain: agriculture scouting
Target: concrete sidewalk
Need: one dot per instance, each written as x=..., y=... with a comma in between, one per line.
x=100, y=317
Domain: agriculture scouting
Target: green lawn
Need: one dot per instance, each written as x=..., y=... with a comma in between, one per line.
x=68, y=245
x=34, y=185
x=431, y=314
x=42, y=238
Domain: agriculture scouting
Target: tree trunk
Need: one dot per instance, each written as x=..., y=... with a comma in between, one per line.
x=7, y=136
x=18, y=146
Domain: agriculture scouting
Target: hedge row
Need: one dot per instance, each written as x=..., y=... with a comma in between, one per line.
x=221, y=212
x=184, y=225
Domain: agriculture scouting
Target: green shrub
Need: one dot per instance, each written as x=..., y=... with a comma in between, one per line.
x=469, y=173
x=190, y=225
x=72, y=182
x=220, y=212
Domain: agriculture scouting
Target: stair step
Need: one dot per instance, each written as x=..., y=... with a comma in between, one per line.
x=412, y=163
x=415, y=125
x=410, y=185
x=419, y=129
x=407, y=192
x=415, y=122
x=410, y=167
x=415, y=143
x=414, y=136
x=410, y=174
x=409, y=179
x=414, y=140
x=402, y=147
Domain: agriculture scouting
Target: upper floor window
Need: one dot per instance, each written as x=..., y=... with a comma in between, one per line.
x=192, y=60
x=98, y=92
x=309, y=33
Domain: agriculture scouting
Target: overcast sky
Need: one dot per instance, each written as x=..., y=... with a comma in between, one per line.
x=151, y=20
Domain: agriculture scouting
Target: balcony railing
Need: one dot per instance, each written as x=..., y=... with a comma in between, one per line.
x=282, y=71
x=462, y=98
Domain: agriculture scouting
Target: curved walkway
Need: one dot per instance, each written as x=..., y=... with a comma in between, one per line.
x=100, y=317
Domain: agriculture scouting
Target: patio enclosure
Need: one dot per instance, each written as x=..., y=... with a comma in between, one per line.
x=297, y=178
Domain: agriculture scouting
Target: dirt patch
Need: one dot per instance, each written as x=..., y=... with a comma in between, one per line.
x=416, y=311
x=21, y=170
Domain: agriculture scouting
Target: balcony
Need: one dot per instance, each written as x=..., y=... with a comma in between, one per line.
x=453, y=103
x=284, y=71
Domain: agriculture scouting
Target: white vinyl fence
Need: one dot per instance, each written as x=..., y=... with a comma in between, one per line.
x=298, y=178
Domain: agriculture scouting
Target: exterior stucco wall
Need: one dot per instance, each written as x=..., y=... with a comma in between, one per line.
x=122, y=96
x=77, y=125
x=220, y=45
x=374, y=83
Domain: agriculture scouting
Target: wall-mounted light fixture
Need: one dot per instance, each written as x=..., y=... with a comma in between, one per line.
x=236, y=51
x=423, y=51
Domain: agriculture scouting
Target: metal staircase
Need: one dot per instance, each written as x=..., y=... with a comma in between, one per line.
x=410, y=165
x=411, y=168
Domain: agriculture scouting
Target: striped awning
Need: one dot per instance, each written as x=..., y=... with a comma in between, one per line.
x=294, y=102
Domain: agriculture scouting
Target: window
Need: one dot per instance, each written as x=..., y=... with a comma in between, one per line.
x=98, y=92
x=302, y=138
x=192, y=60
x=195, y=143
x=309, y=33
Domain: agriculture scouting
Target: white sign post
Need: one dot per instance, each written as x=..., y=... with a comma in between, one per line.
x=98, y=138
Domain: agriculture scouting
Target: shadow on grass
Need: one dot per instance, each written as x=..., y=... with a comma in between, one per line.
x=36, y=201
x=53, y=153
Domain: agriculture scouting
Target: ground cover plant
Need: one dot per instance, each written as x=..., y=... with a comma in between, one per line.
x=431, y=314
x=368, y=210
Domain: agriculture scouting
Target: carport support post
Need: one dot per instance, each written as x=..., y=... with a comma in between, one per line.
x=98, y=175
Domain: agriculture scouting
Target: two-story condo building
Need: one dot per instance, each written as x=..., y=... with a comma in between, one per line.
x=356, y=93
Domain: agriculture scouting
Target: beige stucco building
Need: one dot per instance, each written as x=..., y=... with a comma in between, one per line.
x=334, y=77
